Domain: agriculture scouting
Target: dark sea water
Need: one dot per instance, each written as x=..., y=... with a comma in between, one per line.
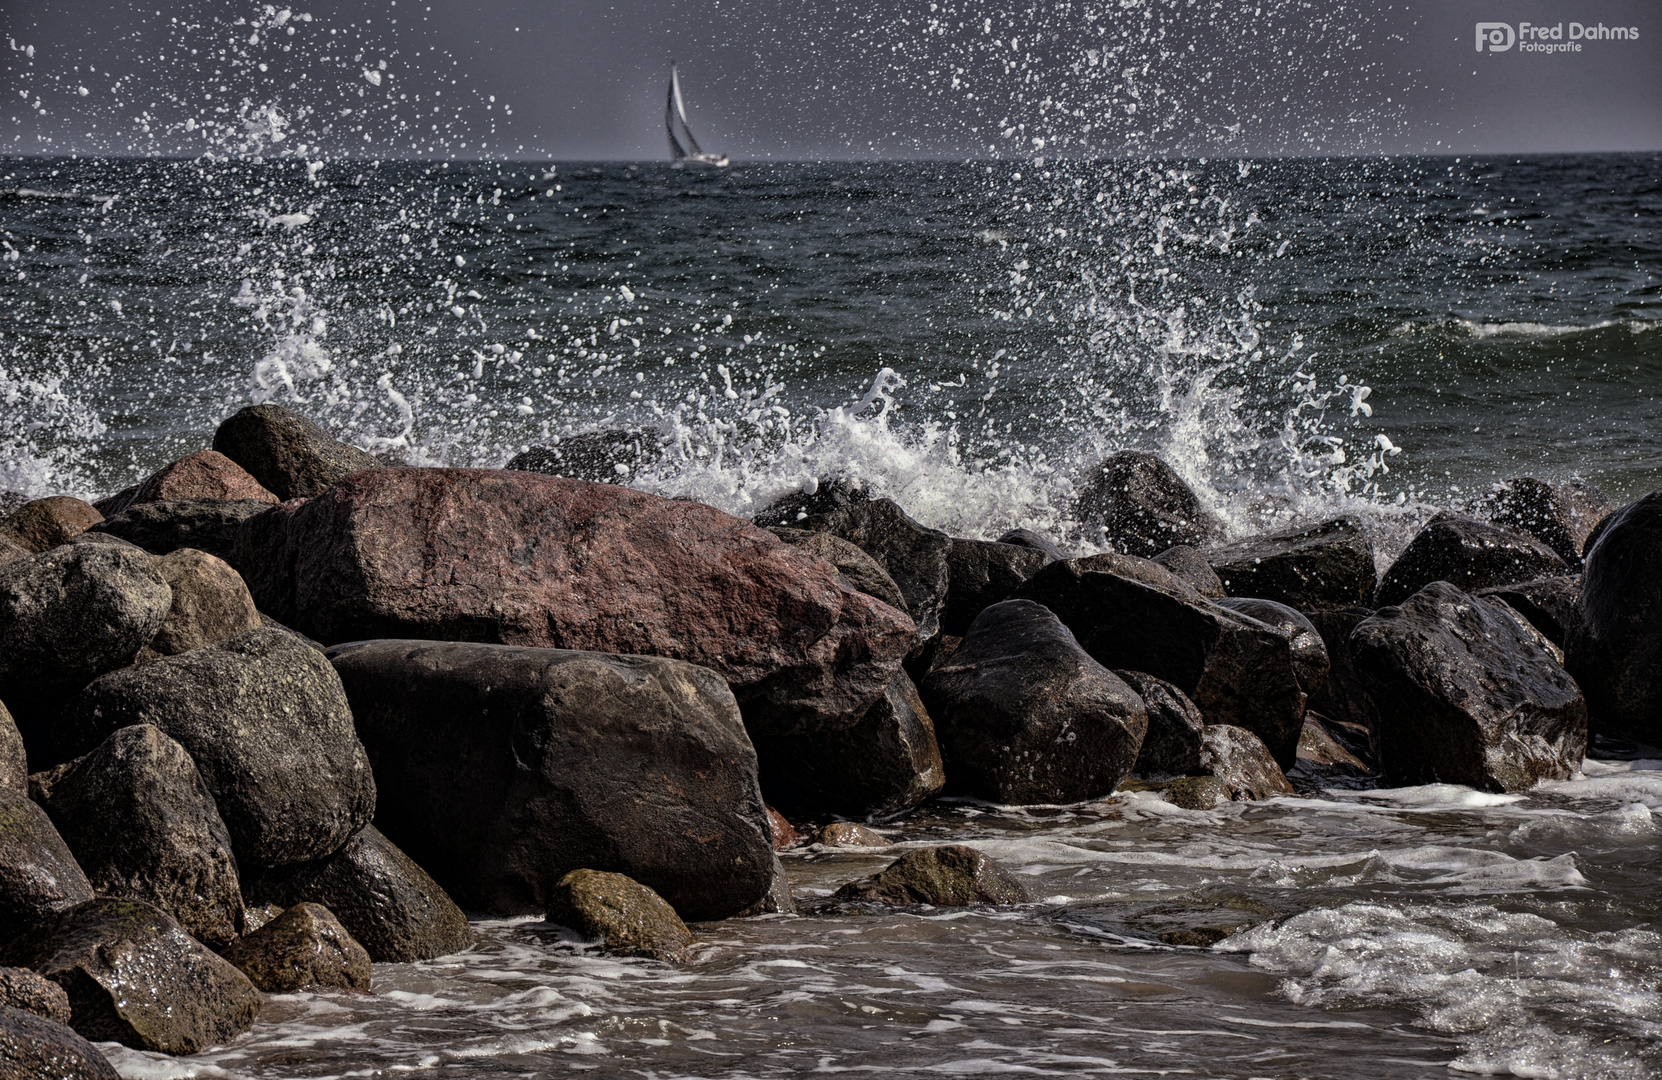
x=1381, y=337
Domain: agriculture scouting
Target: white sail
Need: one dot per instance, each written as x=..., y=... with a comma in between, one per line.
x=675, y=110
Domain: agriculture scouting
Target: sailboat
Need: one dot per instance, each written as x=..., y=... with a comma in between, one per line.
x=676, y=110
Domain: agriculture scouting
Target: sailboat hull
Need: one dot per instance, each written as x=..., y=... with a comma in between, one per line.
x=702, y=161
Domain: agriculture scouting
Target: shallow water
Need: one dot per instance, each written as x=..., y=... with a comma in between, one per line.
x=1395, y=933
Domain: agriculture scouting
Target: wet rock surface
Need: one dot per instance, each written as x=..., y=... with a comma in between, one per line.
x=1468, y=554
x=1242, y=763
x=501, y=769
x=1327, y=565
x=268, y=724
x=523, y=559
x=134, y=976
x=982, y=573
x=606, y=457
x=142, y=825
x=1038, y=542
x=1342, y=696
x=210, y=525
x=305, y=946
x=35, y=1048
x=630, y=918
x=288, y=454
x=38, y=875
x=14, y=760
x=1616, y=653
x=1189, y=566
x=1463, y=695
x=1236, y=669
x=1172, y=745
x=915, y=557
x=1024, y=715
x=886, y=763
x=953, y=875
x=387, y=903
x=1561, y=516
x=1310, y=662
x=1143, y=507
x=859, y=571
x=1552, y=604
x=1324, y=760
x=23, y=989
x=43, y=524
x=849, y=834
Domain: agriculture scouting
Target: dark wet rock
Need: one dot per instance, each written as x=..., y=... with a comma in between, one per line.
x=11, y=550
x=291, y=456
x=134, y=976
x=915, y=557
x=1196, y=792
x=629, y=917
x=1559, y=515
x=502, y=769
x=68, y=616
x=606, y=457
x=1172, y=745
x=23, y=989
x=949, y=876
x=1132, y=567
x=45, y=523
x=304, y=946
x=1236, y=669
x=778, y=899
x=1541, y=641
x=1327, y=565
x=142, y=825
x=843, y=834
x=388, y=903
x=1616, y=653
x=38, y=875
x=1191, y=568
x=210, y=604
x=1552, y=604
x=982, y=573
x=1469, y=555
x=209, y=525
x=1143, y=506
x=782, y=832
x=821, y=497
x=206, y=474
x=14, y=761
x=34, y=1048
x=524, y=559
x=1310, y=661
x=887, y=762
x=1242, y=762
x=1342, y=697
x=1464, y=696
x=268, y=725
x=1323, y=760
x=857, y=570
x=1027, y=538
x=1024, y=715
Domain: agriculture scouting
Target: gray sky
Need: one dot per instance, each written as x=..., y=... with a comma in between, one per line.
x=584, y=79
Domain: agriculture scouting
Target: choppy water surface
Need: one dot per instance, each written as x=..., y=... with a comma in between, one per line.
x=1399, y=933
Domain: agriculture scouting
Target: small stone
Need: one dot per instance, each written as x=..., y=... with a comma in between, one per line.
x=630, y=918
x=304, y=946
x=953, y=875
x=1242, y=763
x=849, y=834
x=1196, y=792
x=783, y=832
x=45, y=523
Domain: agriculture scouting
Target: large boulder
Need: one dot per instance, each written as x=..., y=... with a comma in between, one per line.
x=1314, y=566
x=502, y=769
x=1464, y=695
x=68, y=616
x=23, y=989
x=209, y=525
x=1310, y=663
x=387, y=902
x=1551, y=604
x=952, y=875
x=524, y=559
x=1142, y=506
x=1024, y=715
x=980, y=574
x=1561, y=516
x=135, y=977
x=1468, y=554
x=887, y=762
x=35, y=1048
x=210, y=604
x=38, y=875
x=206, y=474
x=914, y=556
x=1191, y=568
x=1236, y=669
x=14, y=760
x=607, y=457
x=1616, y=653
x=45, y=523
x=266, y=721
x=141, y=823
x=304, y=946
x=1172, y=746
x=289, y=455
x=630, y=918
x=857, y=570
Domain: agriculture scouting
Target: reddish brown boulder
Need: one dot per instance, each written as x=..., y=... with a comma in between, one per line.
x=520, y=558
x=206, y=474
x=45, y=523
